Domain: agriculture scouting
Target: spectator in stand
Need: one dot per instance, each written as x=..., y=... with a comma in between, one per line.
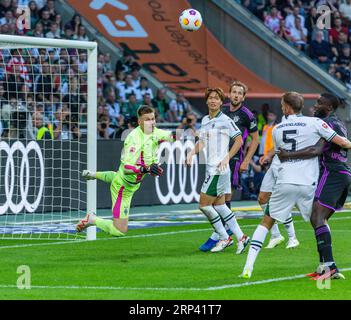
x=135, y=77
x=83, y=62
x=143, y=88
x=40, y=4
x=258, y=7
x=345, y=10
x=120, y=77
x=45, y=20
x=41, y=132
x=272, y=20
x=114, y=109
x=335, y=31
x=336, y=48
x=311, y=21
x=128, y=88
x=299, y=35
x=68, y=33
x=8, y=18
x=50, y=6
x=343, y=63
x=38, y=31
x=5, y=5
x=75, y=23
x=130, y=107
x=290, y=20
x=54, y=32
x=107, y=63
x=266, y=144
x=58, y=20
x=81, y=36
x=103, y=124
x=188, y=127
x=34, y=13
x=269, y=5
x=147, y=100
x=160, y=105
x=283, y=31
x=126, y=63
x=178, y=109
x=320, y=51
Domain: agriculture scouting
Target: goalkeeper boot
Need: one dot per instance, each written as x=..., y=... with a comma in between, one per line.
x=242, y=244
x=86, y=222
x=273, y=242
x=88, y=175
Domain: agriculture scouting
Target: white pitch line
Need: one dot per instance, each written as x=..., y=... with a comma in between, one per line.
x=138, y=236
x=216, y=288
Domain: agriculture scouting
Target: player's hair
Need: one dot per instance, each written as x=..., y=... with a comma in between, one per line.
x=219, y=91
x=238, y=84
x=295, y=100
x=143, y=109
x=332, y=99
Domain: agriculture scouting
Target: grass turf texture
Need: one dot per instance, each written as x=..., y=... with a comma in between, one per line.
x=119, y=268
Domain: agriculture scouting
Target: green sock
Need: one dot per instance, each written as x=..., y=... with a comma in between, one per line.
x=108, y=227
x=106, y=176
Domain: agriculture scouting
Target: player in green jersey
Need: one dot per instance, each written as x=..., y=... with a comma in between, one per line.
x=139, y=157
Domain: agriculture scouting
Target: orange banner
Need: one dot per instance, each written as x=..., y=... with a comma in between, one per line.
x=184, y=61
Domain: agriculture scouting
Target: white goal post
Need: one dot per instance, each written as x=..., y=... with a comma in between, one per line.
x=84, y=147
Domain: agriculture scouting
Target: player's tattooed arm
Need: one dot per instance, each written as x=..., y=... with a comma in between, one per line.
x=342, y=142
x=306, y=153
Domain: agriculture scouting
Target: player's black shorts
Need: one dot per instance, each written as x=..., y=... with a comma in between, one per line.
x=333, y=188
x=234, y=165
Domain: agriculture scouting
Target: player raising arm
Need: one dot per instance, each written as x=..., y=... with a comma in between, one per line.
x=215, y=134
x=139, y=157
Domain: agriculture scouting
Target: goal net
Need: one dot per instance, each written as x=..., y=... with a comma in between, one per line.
x=48, y=136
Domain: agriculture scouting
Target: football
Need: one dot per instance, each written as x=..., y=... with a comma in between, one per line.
x=190, y=20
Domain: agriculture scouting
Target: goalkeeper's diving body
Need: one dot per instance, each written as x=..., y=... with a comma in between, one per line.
x=139, y=157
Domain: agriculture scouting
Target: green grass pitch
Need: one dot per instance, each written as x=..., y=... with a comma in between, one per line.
x=165, y=263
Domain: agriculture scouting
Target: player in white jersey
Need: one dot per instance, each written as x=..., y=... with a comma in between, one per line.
x=297, y=179
x=266, y=189
x=215, y=134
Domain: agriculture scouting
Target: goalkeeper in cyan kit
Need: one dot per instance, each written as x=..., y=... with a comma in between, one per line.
x=139, y=157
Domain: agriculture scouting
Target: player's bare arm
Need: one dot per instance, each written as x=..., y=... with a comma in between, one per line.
x=305, y=153
x=250, y=152
x=197, y=149
x=238, y=142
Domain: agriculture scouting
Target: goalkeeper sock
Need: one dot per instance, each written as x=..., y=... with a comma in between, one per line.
x=106, y=176
x=256, y=244
x=108, y=227
x=289, y=226
x=214, y=218
x=230, y=220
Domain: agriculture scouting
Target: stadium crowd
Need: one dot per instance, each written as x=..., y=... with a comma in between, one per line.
x=297, y=21
x=48, y=87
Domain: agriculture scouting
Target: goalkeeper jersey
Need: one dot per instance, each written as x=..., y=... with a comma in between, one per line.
x=139, y=150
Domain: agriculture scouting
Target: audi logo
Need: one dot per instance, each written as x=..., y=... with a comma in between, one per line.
x=176, y=153
x=9, y=177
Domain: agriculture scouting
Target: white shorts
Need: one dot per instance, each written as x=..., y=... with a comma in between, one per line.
x=216, y=185
x=268, y=181
x=285, y=196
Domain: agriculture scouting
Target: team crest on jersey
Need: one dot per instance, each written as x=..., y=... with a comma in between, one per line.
x=236, y=119
x=132, y=149
x=325, y=126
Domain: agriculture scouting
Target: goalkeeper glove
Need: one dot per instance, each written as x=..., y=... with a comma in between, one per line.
x=155, y=170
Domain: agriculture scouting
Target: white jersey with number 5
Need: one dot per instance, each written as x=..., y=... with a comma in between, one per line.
x=295, y=133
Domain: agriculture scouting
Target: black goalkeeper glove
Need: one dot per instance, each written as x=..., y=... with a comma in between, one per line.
x=144, y=170
x=155, y=170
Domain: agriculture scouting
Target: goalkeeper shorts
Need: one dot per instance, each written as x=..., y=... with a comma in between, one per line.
x=121, y=195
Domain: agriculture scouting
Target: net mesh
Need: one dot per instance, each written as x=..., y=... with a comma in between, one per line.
x=43, y=144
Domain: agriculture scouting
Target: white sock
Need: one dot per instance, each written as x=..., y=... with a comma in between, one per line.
x=256, y=244
x=230, y=220
x=214, y=218
x=215, y=236
x=275, y=231
x=289, y=226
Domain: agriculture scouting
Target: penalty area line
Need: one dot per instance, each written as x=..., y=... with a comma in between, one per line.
x=216, y=288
